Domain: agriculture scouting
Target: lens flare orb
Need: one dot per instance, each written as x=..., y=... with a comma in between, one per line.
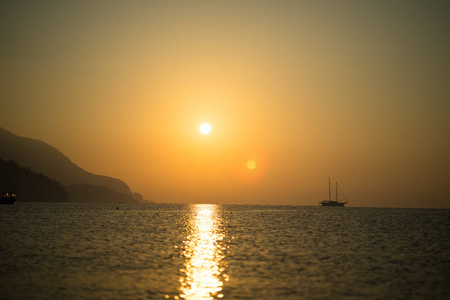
x=251, y=165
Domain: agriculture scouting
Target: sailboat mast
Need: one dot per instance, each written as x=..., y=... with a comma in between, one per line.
x=336, y=193
x=329, y=189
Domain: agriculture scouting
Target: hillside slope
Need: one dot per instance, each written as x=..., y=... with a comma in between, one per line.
x=29, y=186
x=86, y=193
x=43, y=158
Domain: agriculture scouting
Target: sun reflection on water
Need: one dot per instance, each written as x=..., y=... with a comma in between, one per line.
x=203, y=274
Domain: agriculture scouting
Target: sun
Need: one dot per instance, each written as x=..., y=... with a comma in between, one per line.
x=205, y=128
x=251, y=165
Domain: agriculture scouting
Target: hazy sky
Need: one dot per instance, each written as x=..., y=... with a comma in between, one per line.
x=355, y=90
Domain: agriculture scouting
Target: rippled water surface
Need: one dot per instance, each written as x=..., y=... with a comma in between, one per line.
x=168, y=251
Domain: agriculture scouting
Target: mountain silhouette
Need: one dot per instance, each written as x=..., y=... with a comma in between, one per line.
x=88, y=193
x=30, y=186
x=42, y=158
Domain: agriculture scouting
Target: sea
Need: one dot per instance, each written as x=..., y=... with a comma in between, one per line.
x=207, y=251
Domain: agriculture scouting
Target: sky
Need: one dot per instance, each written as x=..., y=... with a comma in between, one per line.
x=352, y=90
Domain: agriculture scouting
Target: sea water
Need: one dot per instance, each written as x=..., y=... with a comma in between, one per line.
x=175, y=251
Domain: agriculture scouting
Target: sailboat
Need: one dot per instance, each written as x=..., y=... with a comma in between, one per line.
x=330, y=202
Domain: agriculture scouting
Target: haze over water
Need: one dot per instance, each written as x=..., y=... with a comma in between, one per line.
x=174, y=251
x=293, y=92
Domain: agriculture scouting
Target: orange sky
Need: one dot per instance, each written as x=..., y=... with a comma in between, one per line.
x=356, y=91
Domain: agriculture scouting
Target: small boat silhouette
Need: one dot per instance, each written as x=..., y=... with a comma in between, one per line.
x=8, y=198
x=330, y=202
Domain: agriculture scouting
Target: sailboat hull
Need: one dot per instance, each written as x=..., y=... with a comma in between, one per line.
x=332, y=203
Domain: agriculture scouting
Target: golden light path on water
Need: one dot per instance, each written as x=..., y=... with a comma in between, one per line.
x=203, y=273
